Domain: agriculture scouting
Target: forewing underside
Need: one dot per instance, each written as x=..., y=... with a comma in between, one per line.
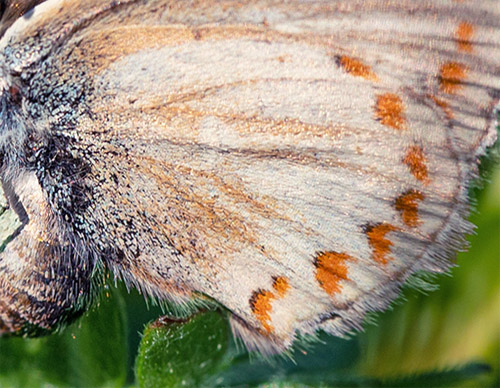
x=295, y=162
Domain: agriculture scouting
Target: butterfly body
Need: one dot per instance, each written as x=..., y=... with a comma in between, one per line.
x=295, y=162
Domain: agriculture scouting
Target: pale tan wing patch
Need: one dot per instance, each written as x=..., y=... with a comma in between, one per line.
x=294, y=161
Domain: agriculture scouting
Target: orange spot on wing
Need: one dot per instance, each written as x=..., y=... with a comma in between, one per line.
x=390, y=111
x=451, y=77
x=357, y=68
x=331, y=269
x=417, y=162
x=281, y=285
x=463, y=35
x=407, y=205
x=381, y=246
x=260, y=303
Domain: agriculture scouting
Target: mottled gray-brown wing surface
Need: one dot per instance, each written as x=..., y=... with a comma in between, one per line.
x=295, y=161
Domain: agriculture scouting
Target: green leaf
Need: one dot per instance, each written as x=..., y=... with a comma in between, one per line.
x=182, y=353
x=467, y=374
x=90, y=353
x=325, y=360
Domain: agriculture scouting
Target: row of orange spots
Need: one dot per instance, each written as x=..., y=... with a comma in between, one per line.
x=356, y=68
x=390, y=111
x=407, y=205
x=381, y=246
x=261, y=301
x=453, y=74
x=451, y=79
x=389, y=108
x=331, y=268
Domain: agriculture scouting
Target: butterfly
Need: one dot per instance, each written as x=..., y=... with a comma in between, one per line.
x=294, y=162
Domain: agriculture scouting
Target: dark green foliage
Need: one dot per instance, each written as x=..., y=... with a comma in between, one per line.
x=90, y=353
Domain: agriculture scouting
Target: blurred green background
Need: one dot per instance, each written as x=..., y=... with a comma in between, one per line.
x=448, y=338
